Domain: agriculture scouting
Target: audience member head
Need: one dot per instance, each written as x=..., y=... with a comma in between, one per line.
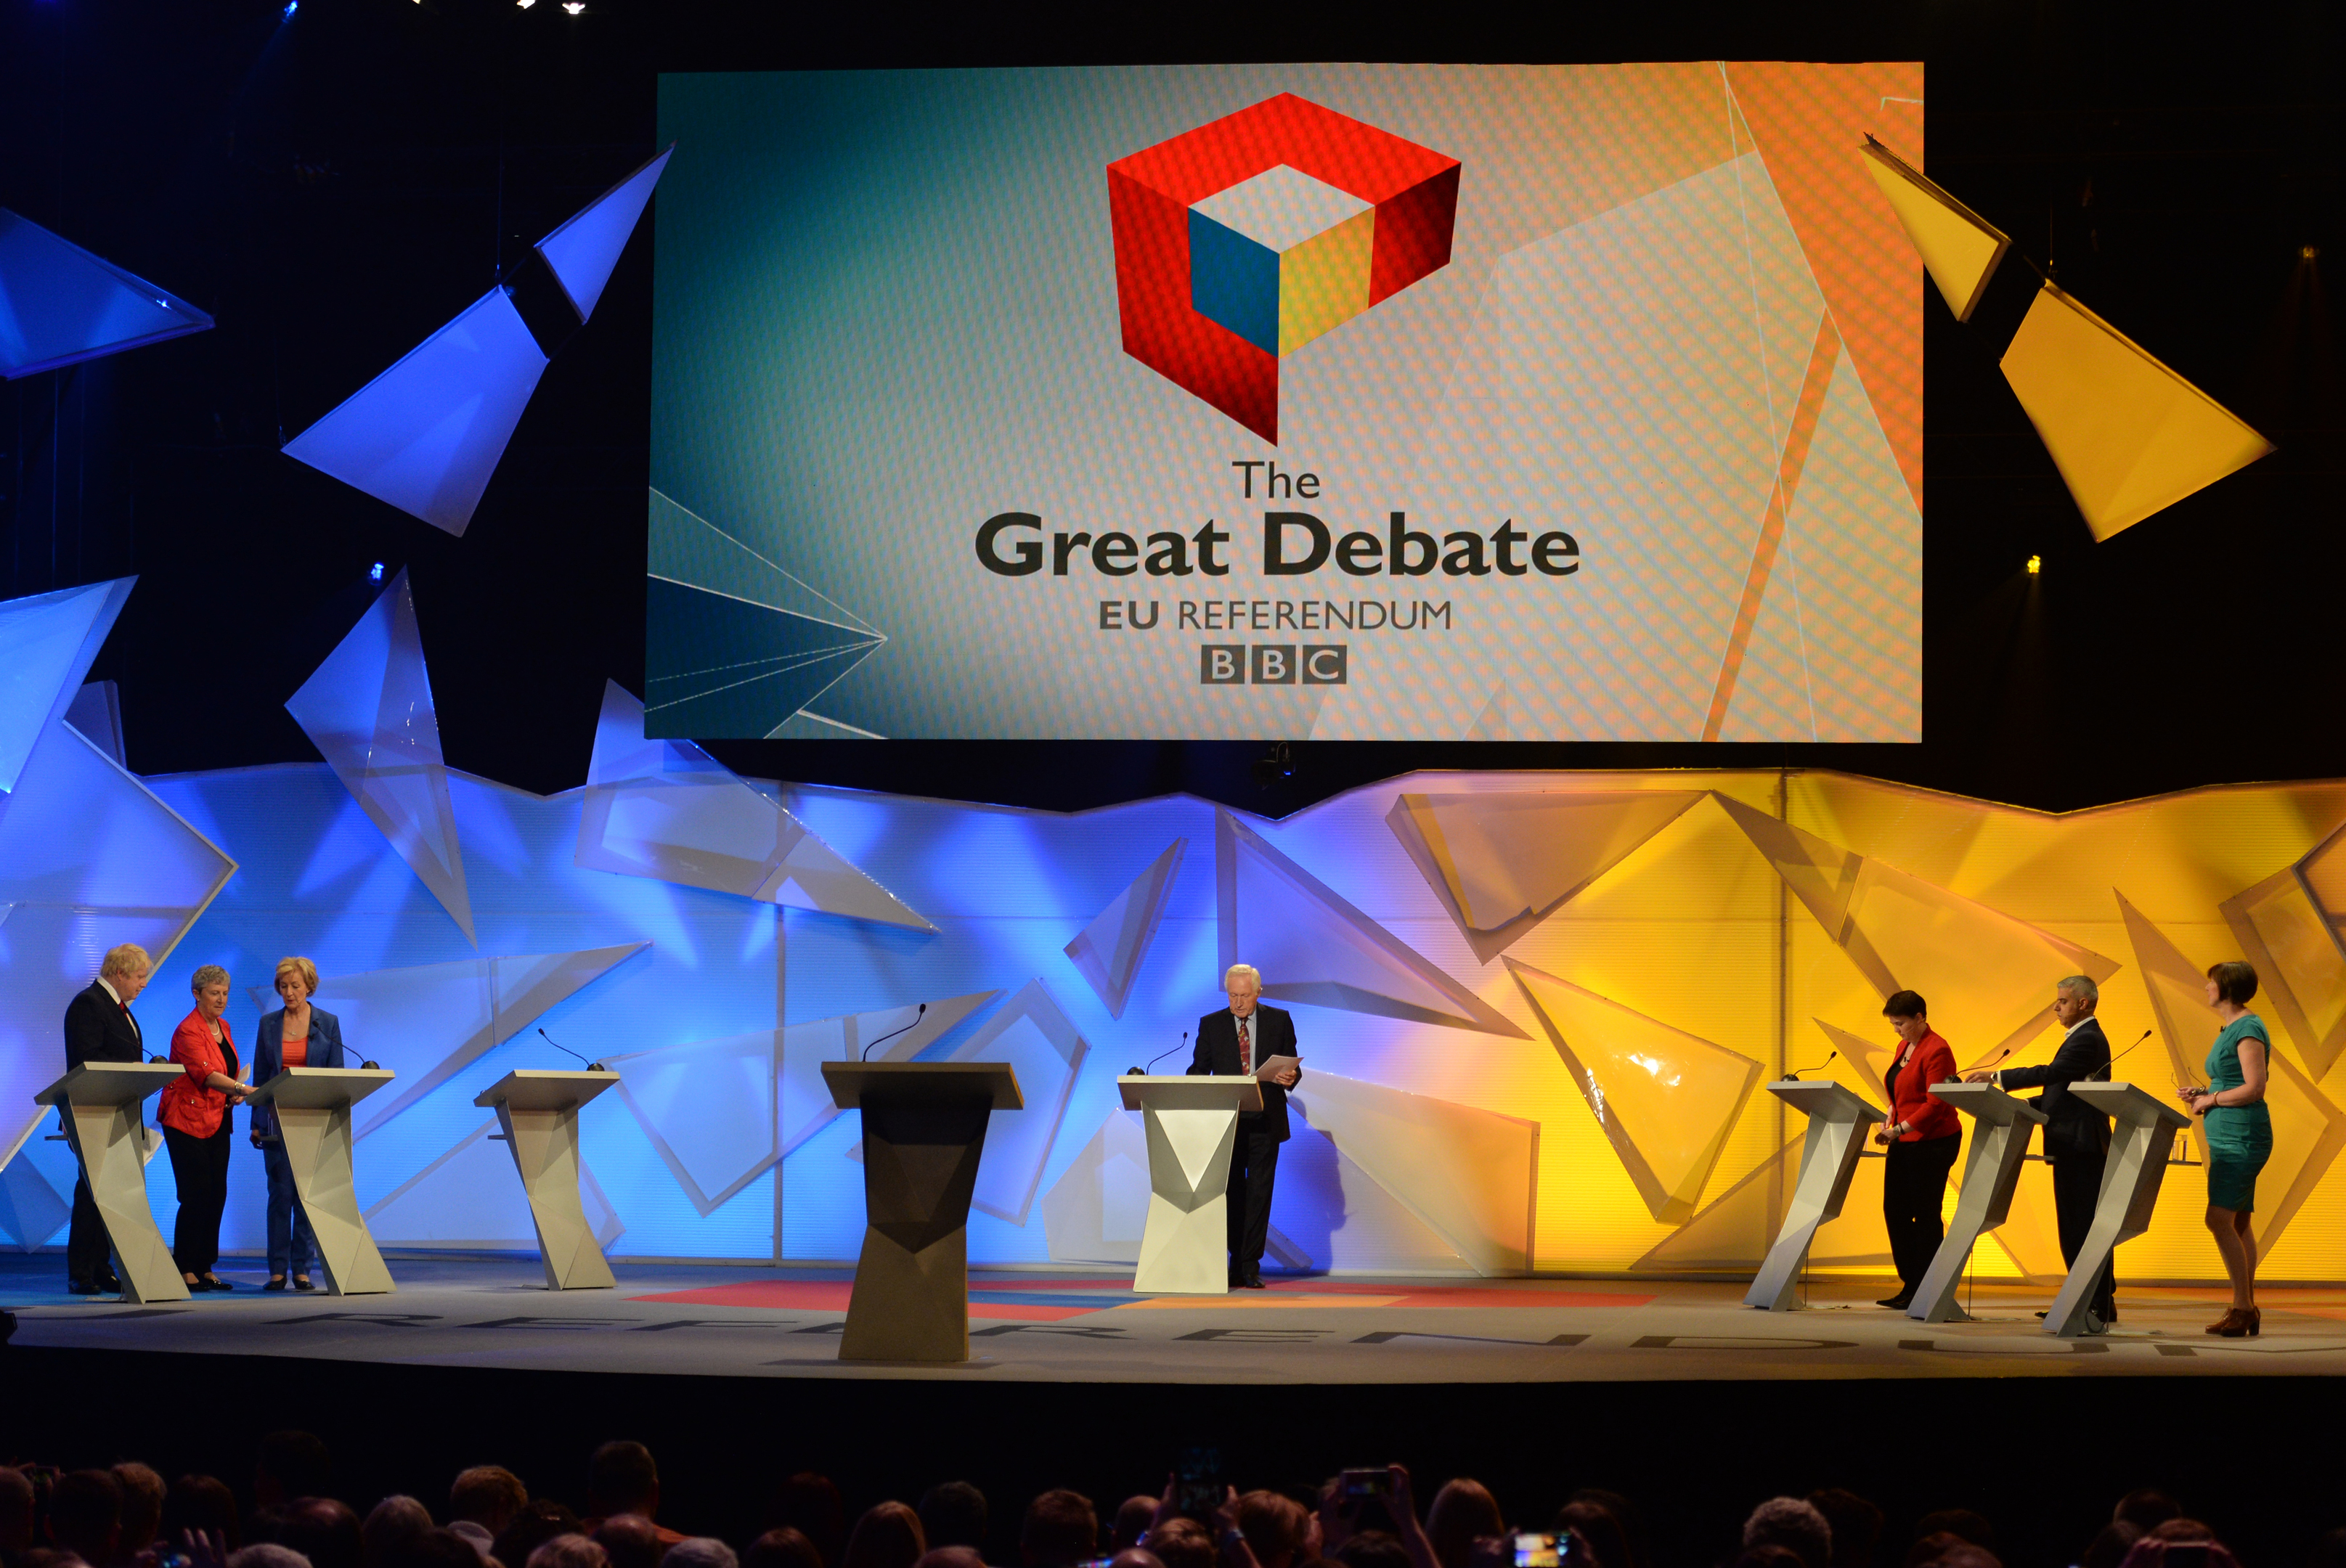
x=887, y=1536
x=1463, y=1510
x=622, y=1479
x=203, y=1503
x=1768, y=1554
x=435, y=1549
x=1135, y=1557
x=15, y=1514
x=266, y=1554
x=2181, y=1529
x=1945, y=1549
x=629, y=1540
x=490, y=1495
x=1625, y=1512
x=292, y=1464
x=568, y=1552
x=1796, y=1525
x=2146, y=1508
x=781, y=1547
x=1060, y=1529
x=2111, y=1544
x=541, y=1518
x=2179, y=1543
x=1182, y=1543
x=1855, y=1523
x=810, y=1503
x=702, y=1552
x=1275, y=1527
x=320, y=1528
x=1133, y=1518
x=142, y=1506
x=1597, y=1528
x=86, y=1515
x=1372, y=1549
x=390, y=1525
x=950, y=1557
x=1963, y=1523
x=952, y=1513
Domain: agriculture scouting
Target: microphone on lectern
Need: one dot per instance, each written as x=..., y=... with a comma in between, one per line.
x=2123, y=1054
x=915, y=1024
x=566, y=1051
x=1795, y=1077
x=1143, y=1072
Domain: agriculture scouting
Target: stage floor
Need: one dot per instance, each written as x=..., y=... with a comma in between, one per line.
x=1072, y=1326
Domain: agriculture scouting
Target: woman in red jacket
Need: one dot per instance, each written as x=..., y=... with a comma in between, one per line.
x=1923, y=1133
x=195, y=1117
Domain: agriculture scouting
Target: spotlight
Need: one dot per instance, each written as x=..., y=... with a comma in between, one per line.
x=525, y=5
x=2309, y=251
x=374, y=573
x=1274, y=765
x=290, y=6
x=574, y=6
x=2035, y=565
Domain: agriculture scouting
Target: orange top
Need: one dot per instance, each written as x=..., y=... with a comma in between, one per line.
x=296, y=1052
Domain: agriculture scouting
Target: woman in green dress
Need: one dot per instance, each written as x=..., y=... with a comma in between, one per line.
x=2240, y=1136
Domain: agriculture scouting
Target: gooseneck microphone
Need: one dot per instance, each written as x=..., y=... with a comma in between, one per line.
x=1143, y=1072
x=566, y=1051
x=1990, y=1067
x=2129, y=1050
x=884, y=1039
x=1795, y=1077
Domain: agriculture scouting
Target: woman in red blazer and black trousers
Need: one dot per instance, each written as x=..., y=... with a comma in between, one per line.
x=1923, y=1133
x=195, y=1117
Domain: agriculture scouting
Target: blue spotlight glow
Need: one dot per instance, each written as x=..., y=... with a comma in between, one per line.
x=290, y=6
x=374, y=573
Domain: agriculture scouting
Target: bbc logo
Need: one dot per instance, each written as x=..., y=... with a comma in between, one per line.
x=1274, y=664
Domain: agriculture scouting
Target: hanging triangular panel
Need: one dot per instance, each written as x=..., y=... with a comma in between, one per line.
x=60, y=305
x=47, y=642
x=584, y=249
x=1108, y=953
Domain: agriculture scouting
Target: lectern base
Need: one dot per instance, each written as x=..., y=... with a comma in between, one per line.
x=1185, y=1252
x=909, y=1305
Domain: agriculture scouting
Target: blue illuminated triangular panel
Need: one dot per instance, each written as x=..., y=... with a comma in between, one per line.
x=584, y=249
x=60, y=305
x=46, y=643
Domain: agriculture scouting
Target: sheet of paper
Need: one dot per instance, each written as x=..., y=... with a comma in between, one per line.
x=1275, y=1066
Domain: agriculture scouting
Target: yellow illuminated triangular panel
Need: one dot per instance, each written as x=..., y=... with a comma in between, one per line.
x=1666, y=1099
x=2294, y=946
x=2130, y=436
x=1959, y=248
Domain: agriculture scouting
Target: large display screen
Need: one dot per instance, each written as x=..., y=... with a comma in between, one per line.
x=1329, y=402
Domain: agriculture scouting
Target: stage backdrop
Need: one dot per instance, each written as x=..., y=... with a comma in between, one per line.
x=1535, y=1009
x=1347, y=401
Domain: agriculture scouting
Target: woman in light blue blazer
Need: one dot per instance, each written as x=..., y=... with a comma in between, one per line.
x=296, y=1035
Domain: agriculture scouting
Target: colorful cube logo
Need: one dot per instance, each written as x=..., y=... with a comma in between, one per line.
x=1244, y=239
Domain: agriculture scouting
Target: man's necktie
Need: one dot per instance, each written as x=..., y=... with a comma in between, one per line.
x=1246, y=1049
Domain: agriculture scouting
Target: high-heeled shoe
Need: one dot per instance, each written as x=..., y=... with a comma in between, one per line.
x=2256, y=1321
x=2232, y=1325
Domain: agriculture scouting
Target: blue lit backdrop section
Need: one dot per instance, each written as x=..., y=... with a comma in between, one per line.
x=47, y=642
x=426, y=434
x=60, y=305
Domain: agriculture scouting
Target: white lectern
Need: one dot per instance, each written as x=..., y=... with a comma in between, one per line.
x=98, y=1105
x=1837, y=1120
x=2139, y=1145
x=2000, y=1126
x=313, y=1118
x=1192, y=1126
x=539, y=1110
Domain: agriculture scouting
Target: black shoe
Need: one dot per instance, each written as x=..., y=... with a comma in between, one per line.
x=300, y=1283
x=214, y=1282
x=1252, y=1282
x=80, y=1287
x=109, y=1283
x=1898, y=1303
x=276, y=1282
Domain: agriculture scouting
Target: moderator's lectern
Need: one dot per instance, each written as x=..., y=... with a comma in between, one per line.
x=923, y=1134
x=98, y=1105
x=2000, y=1126
x=1837, y=1120
x=2139, y=1143
x=539, y=1113
x=313, y=1117
x=1192, y=1128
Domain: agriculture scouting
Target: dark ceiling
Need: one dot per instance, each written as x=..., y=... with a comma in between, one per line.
x=334, y=187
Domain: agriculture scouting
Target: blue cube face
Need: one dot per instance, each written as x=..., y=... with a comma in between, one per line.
x=1234, y=281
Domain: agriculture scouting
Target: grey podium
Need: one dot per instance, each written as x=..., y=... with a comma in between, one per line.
x=98, y=1105
x=539, y=1110
x=924, y=1135
x=314, y=1119
x=1192, y=1128
x=2000, y=1128
x=1838, y=1119
x=2140, y=1142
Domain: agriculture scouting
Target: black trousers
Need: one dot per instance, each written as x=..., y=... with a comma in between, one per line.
x=200, y=1167
x=1914, y=1185
x=87, y=1252
x=1254, y=1164
x=2076, y=1187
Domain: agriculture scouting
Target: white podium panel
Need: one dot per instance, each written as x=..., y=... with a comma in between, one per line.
x=313, y=1118
x=2000, y=1126
x=2140, y=1142
x=1192, y=1128
x=1837, y=1120
x=98, y=1105
x=539, y=1114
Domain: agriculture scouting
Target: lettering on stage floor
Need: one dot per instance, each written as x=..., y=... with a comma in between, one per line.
x=1069, y=1326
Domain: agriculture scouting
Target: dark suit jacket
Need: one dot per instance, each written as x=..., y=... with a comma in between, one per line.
x=97, y=1030
x=1217, y=1051
x=2071, y=1126
x=269, y=1055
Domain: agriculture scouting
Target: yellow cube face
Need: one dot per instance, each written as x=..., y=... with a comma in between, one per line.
x=1324, y=282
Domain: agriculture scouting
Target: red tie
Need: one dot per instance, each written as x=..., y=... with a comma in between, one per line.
x=1245, y=1050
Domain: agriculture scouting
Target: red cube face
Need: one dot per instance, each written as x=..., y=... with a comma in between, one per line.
x=1413, y=190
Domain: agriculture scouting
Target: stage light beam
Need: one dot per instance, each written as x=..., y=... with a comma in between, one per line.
x=2035, y=565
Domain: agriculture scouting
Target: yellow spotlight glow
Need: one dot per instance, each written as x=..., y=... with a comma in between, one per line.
x=2035, y=565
